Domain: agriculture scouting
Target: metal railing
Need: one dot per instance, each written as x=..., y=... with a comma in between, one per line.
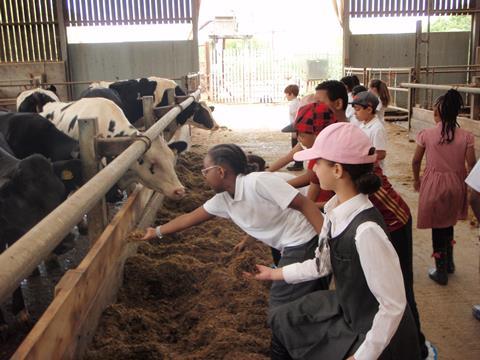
x=19, y=260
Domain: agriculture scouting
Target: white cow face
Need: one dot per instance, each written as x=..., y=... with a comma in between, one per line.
x=155, y=170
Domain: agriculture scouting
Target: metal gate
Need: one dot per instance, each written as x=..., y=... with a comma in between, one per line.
x=260, y=75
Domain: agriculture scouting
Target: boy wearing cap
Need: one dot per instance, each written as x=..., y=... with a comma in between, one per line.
x=291, y=93
x=365, y=104
x=366, y=316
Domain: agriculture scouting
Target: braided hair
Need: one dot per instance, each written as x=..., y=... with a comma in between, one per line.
x=233, y=156
x=448, y=106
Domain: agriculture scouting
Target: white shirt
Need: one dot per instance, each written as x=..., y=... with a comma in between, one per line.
x=350, y=111
x=380, y=266
x=293, y=107
x=287, y=177
x=260, y=208
x=473, y=179
x=377, y=134
x=380, y=111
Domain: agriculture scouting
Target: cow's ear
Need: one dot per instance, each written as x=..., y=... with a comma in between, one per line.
x=212, y=108
x=52, y=88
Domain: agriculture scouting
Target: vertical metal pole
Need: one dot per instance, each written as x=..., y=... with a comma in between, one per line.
x=475, y=100
x=148, y=116
x=418, y=43
x=97, y=217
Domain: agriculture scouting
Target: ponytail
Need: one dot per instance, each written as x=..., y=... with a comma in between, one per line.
x=448, y=107
x=233, y=156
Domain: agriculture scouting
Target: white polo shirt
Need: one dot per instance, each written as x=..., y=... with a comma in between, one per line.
x=377, y=134
x=260, y=208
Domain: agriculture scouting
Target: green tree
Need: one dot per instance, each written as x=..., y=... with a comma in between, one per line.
x=449, y=23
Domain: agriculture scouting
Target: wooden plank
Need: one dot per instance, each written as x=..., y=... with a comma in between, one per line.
x=67, y=326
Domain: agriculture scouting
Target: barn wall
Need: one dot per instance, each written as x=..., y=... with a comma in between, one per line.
x=112, y=61
x=398, y=50
x=15, y=73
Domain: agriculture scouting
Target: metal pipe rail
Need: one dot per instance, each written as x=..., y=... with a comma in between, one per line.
x=19, y=260
x=470, y=90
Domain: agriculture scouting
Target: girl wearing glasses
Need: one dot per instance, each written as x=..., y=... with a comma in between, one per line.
x=265, y=207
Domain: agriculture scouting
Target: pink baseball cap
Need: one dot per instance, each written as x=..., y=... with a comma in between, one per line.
x=343, y=143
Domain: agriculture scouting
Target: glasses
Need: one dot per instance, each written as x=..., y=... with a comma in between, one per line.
x=205, y=171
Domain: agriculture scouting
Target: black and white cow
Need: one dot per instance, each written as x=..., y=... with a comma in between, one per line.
x=198, y=114
x=29, y=190
x=28, y=134
x=154, y=170
x=33, y=100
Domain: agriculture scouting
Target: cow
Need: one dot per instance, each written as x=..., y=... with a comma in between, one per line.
x=197, y=114
x=154, y=169
x=29, y=190
x=28, y=134
x=33, y=100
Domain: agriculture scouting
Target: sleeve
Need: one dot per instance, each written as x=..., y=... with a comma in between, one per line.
x=473, y=179
x=274, y=189
x=380, y=139
x=420, y=139
x=313, y=268
x=381, y=267
x=470, y=139
x=217, y=206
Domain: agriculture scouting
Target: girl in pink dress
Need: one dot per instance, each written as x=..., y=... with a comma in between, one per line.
x=443, y=193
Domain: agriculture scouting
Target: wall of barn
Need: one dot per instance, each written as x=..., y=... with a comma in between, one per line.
x=398, y=50
x=22, y=73
x=119, y=61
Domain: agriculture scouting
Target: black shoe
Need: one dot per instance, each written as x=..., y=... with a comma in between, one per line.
x=439, y=273
x=476, y=311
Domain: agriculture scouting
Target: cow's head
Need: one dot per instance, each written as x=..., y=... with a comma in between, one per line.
x=27, y=195
x=156, y=170
x=198, y=114
x=34, y=100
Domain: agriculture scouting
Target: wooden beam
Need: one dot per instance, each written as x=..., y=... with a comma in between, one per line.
x=68, y=324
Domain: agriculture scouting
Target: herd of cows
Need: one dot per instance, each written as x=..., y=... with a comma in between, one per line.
x=39, y=152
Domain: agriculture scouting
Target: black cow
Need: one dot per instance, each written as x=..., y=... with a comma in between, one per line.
x=130, y=91
x=109, y=94
x=29, y=190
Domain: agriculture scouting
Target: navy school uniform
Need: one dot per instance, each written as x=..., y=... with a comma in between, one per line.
x=360, y=317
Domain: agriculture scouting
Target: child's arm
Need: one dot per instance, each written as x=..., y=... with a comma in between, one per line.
x=309, y=210
x=416, y=164
x=313, y=191
x=470, y=157
x=284, y=160
x=301, y=180
x=182, y=222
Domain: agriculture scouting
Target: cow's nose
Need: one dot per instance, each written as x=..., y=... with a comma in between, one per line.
x=180, y=192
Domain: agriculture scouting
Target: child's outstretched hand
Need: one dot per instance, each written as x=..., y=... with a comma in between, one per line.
x=265, y=273
x=149, y=234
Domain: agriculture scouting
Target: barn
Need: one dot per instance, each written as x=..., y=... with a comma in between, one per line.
x=188, y=179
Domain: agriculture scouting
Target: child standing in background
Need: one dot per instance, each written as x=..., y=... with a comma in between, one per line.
x=443, y=192
x=380, y=89
x=291, y=93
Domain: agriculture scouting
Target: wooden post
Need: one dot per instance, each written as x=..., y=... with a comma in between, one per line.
x=172, y=127
x=62, y=33
x=97, y=217
x=475, y=100
x=148, y=116
x=346, y=35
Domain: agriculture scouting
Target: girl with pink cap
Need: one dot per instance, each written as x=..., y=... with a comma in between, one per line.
x=366, y=316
